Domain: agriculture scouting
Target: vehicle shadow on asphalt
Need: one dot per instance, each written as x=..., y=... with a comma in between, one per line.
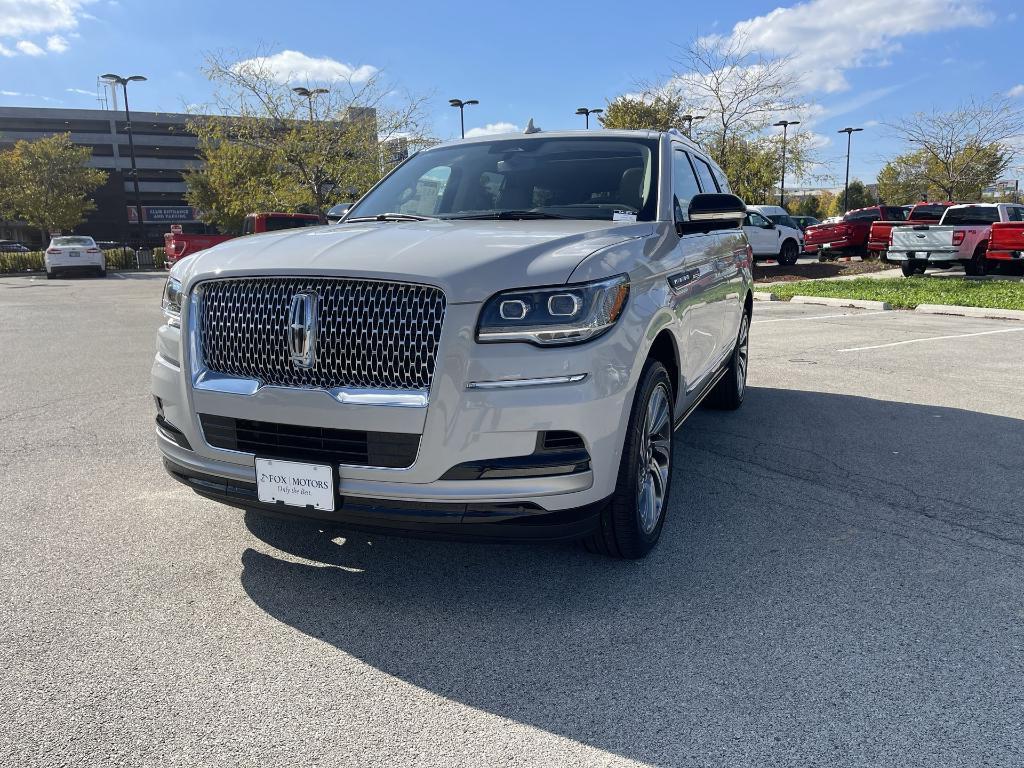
x=831, y=569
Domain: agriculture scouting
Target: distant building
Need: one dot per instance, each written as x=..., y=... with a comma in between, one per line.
x=1005, y=189
x=164, y=150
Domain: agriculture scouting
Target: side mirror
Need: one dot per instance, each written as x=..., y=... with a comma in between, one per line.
x=770, y=225
x=337, y=212
x=710, y=212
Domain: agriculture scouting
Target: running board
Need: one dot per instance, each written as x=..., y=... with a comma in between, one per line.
x=700, y=398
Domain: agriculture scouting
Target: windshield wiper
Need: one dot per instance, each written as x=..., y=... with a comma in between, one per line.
x=509, y=215
x=392, y=217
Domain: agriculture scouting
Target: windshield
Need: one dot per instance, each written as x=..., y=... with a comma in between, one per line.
x=83, y=241
x=571, y=178
x=971, y=215
x=784, y=220
x=933, y=212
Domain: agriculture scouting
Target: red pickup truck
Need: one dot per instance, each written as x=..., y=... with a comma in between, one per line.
x=848, y=237
x=921, y=213
x=178, y=245
x=1006, y=242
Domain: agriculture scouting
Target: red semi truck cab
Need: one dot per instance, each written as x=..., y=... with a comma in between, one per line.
x=178, y=245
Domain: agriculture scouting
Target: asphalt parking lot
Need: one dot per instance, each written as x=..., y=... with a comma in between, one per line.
x=841, y=579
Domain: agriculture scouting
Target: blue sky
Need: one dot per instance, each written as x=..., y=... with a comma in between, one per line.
x=864, y=62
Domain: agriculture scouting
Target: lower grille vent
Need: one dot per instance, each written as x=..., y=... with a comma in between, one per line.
x=394, y=450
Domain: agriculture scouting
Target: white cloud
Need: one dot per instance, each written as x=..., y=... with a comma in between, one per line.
x=5, y=51
x=29, y=17
x=827, y=37
x=29, y=48
x=1017, y=90
x=297, y=67
x=9, y=93
x=492, y=128
x=80, y=91
x=56, y=43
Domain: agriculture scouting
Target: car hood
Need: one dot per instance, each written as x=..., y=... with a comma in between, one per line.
x=469, y=260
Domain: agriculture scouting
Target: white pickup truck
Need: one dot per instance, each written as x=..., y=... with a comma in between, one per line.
x=960, y=237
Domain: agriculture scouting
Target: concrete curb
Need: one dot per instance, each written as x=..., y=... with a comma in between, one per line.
x=947, y=309
x=765, y=296
x=832, y=302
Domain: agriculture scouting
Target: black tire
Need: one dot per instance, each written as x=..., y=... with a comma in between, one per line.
x=978, y=265
x=728, y=392
x=624, y=530
x=50, y=275
x=102, y=272
x=922, y=267
x=789, y=253
x=908, y=268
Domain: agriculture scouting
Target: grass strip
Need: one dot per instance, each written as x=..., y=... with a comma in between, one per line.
x=907, y=293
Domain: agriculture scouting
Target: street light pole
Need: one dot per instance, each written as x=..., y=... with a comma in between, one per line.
x=849, y=137
x=123, y=82
x=587, y=113
x=784, y=124
x=309, y=94
x=462, y=111
x=689, y=120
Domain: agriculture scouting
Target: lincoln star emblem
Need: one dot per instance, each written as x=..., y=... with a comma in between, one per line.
x=302, y=329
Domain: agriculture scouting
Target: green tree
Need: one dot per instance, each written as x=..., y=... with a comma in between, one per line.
x=962, y=150
x=48, y=183
x=808, y=205
x=273, y=149
x=859, y=197
x=913, y=176
x=658, y=112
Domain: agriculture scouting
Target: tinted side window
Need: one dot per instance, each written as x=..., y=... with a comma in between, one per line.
x=1015, y=213
x=707, y=180
x=684, y=184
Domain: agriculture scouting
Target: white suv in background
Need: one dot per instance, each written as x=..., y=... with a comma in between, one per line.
x=773, y=234
x=74, y=253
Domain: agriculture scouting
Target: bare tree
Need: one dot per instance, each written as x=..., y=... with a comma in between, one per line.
x=970, y=146
x=739, y=91
x=267, y=146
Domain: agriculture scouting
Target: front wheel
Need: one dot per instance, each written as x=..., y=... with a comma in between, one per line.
x=789, y=253
x=631, y=521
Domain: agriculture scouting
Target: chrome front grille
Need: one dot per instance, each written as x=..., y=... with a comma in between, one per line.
x=369, y=335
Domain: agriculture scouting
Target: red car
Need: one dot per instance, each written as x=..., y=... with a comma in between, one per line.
x=921, y=213
x=178, y=245
x=848, y=237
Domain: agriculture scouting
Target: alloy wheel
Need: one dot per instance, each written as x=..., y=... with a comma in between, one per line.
x=742, y=349
x=655, y=458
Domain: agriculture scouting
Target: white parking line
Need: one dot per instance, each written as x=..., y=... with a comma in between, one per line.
x=820, y=317
x=933, y=338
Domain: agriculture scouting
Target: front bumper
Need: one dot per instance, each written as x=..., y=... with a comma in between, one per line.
x=459, y=426
x=508, y=521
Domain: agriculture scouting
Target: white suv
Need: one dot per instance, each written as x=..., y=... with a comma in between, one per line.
x=773, y=234
x=497, y=341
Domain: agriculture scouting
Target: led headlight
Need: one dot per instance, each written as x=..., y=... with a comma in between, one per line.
x=171, y=301
x=566, y=314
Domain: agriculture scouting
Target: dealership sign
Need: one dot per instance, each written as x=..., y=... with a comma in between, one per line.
x=163, y=214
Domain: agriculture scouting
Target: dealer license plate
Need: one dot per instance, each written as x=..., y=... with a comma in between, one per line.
x=295, y=484
x=826, y=246
x=76, y=253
